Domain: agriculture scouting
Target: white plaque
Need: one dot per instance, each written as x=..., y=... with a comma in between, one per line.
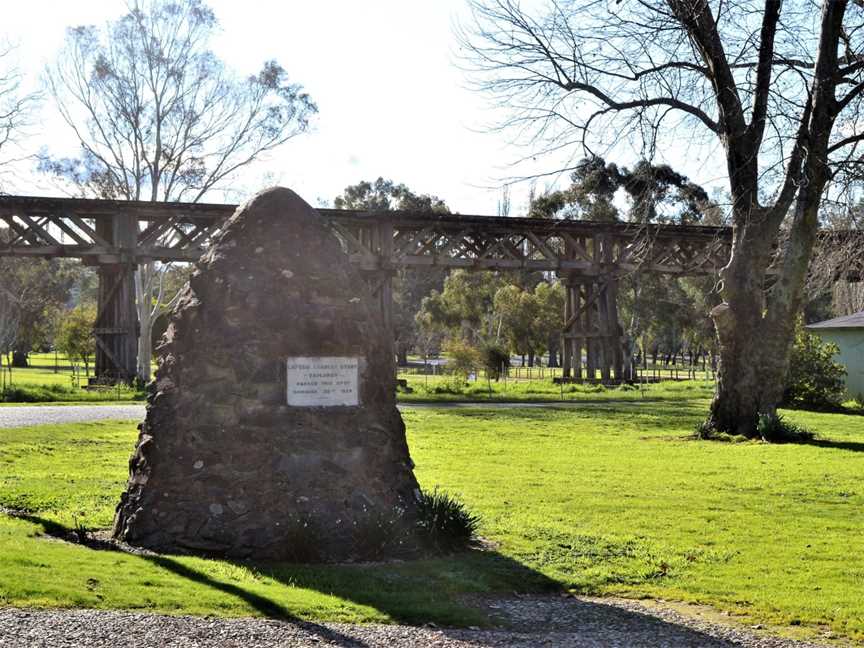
x=323, y=382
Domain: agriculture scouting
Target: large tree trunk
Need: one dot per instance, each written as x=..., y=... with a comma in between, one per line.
x=402, y=355
x=755, y=337
x=553, y=350
x=20, y=359
x=755, y=334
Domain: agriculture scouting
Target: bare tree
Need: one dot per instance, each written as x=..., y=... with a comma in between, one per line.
x=15, y=106
x=160, y=118
x=778, y=84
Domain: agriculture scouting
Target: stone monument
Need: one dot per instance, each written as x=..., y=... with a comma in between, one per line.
x=272, y=420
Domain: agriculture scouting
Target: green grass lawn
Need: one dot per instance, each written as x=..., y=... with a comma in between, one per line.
x=445, y=389
x=50, y=379
x=607, y=498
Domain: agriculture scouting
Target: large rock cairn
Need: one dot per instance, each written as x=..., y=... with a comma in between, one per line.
x=223, y=465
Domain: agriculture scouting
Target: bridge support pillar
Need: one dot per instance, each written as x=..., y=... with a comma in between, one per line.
x=591, y=324
x=566, y=346
x=116, y=327
x=379, y=238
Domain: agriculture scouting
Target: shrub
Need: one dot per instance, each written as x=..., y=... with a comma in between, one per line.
x=444, y=524
x=463, y=359
x=495, y=359
x=75, y=335
x=453, y=384
x=704, y=430
x=814, y=378
x=775, y=429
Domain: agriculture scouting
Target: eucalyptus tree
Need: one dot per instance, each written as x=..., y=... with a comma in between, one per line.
x=410, y=285
x=777, y=84
x=159, y=117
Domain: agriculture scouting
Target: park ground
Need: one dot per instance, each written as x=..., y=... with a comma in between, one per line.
x=610, y=498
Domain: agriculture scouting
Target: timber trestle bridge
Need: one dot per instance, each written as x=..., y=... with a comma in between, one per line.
x=589, y=258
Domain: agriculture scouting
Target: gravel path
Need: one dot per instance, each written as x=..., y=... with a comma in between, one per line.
x=53, y=414
x=534, y=622
x=24, y=415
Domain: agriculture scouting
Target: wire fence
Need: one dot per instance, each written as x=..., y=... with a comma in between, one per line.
x=650, y=373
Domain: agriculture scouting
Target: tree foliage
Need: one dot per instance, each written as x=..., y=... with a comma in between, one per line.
x=496, y=359
x=656, y=194
x=463, y=358
x=410, y=285
x=485, y=310
x=36, y=290
x=464, y=308
x=75, y=335
x=386, y=195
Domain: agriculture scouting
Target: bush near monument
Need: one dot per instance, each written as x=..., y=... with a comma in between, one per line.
x=445, y=523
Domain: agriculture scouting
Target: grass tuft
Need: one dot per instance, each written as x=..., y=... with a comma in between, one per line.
x=775, y=429
x=445, y=524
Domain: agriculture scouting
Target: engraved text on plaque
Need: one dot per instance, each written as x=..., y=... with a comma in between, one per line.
x=323, y=381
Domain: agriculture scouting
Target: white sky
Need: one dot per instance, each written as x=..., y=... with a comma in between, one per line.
x=392, y=100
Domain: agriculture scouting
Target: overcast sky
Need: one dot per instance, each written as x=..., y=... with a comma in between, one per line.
x=393, y=101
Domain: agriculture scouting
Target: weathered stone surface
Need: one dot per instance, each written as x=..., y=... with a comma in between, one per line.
x=223, y=464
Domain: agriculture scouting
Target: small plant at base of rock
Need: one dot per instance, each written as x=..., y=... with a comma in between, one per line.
x=382, y=535
x=303, y=540
x=444, y=523
x=705, y=431
x=775, y=429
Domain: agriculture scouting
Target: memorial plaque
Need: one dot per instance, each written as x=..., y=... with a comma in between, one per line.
x=323, y=381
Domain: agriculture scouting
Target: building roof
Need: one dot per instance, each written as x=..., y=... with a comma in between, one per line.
x=854, y=321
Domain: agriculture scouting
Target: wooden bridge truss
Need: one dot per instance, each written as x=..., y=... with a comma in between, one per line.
x=590, y=258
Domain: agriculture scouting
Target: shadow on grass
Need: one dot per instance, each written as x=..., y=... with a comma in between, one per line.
x=818, y=442
x=494, y=599
x=850, y=446
x=409, y=591
x=824, y=409
x=650, y=414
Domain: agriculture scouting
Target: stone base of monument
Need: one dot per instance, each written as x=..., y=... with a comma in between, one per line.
x=272, y=430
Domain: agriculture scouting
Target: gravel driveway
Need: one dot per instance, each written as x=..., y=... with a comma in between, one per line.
x=54, y=414
x=24, y=415
x=534, y=621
